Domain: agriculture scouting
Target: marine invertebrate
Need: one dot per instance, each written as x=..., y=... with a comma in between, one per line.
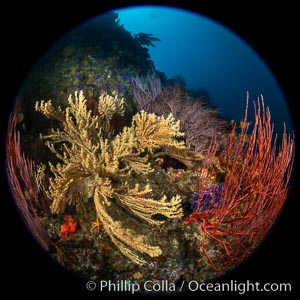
x=211, y=197
x=198, y=120
x=69, y=226
x=96, y=225
x=96, y=164
x=145, y=39
x=256, y=186
x=26, y=184
x=146, y=90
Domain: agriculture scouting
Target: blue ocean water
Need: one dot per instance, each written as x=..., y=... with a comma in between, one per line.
x=208, y=55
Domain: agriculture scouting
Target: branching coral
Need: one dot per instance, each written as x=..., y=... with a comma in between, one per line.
x=199, y=121
x=27, y=183
x=94, y=163
x=238, y=214
x=153, y=132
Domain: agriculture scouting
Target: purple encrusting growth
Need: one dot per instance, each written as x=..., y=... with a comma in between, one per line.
x=120, y=88
x=211, y=197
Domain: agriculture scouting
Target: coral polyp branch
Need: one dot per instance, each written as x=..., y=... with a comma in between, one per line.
x=94, y=163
